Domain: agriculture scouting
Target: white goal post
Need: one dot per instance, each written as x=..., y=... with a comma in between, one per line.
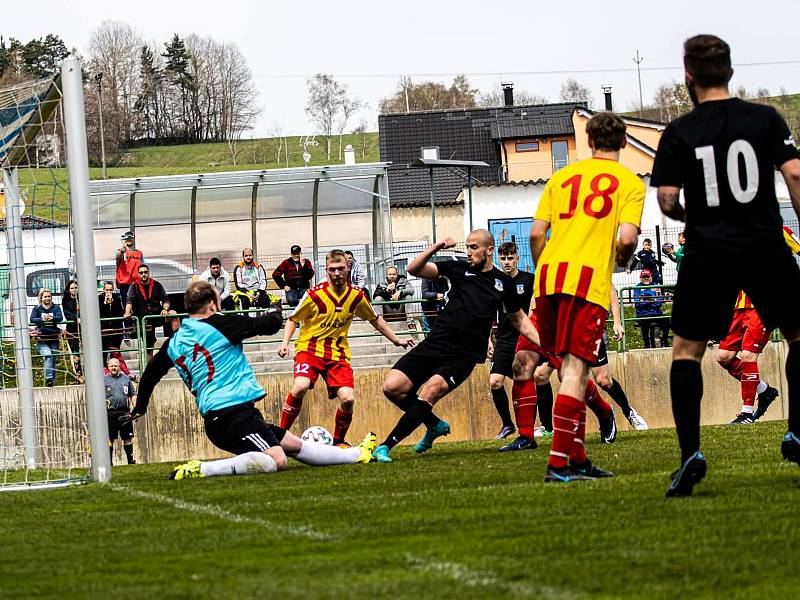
x=19, y=139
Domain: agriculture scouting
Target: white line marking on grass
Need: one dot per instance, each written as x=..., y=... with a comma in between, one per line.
x=473, y=578
x=216, y=511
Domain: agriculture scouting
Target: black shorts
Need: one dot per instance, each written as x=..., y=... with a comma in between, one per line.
x=602, y=353
x=431, y=358
x=241, y=428
x=503, y=358
x=124, y=432
x=708, y=286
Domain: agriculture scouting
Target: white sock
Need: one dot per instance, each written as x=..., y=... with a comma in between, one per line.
x=762, y=387
x=248, y=463
x=318, y=455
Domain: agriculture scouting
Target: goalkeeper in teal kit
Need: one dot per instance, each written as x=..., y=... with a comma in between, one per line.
x=208, y=355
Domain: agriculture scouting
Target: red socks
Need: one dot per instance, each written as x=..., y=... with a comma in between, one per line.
x=750, y=379
x=566, y=427
x=523, y=398
x=342, y=422
x=734, y=367
x=291, y=408
x=577, y=452
x=596, y=402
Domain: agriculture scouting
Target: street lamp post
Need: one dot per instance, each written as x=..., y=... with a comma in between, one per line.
x=99, y=79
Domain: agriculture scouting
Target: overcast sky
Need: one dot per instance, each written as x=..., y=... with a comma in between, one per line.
x=368, y=45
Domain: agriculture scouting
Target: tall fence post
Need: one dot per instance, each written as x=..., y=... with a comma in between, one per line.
x=22, y=338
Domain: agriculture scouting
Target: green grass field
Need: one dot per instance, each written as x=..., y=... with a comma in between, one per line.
x=460, y=522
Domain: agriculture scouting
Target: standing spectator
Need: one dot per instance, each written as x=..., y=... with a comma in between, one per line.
x=129, y=259
x=395, y=289
x=434, y=294
x=649, y=261
x=46, y=316
x=120, y=395
x=358, y=274
x=676, y=256
x=71, y=310
x=648, y=311
x=220, y=279
x=294, y=275
x=250, y=280
x=147, y=297
x=111, y=324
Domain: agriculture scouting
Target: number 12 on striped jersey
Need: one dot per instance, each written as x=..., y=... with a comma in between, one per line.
x=589, y=204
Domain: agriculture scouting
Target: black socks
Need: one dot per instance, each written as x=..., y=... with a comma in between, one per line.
x=686, y=389
x=500, y=399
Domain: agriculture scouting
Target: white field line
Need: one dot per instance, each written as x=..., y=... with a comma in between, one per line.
x=220, y=513
x=473, y=578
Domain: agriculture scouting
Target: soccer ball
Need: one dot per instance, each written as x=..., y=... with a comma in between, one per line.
x=317, y=434
x=667, y=247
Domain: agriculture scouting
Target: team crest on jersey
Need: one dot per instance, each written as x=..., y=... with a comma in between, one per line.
x=498, y=285
x=520, y=288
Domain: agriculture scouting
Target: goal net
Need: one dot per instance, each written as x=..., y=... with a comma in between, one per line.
x=52, y=405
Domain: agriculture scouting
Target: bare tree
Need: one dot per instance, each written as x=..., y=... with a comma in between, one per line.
x=114, y=50
x=572, y=91
x=671, y=100
x=324, y=104
x=430, y=95
x=348, y=109
x=277, y=141
x=364, y=140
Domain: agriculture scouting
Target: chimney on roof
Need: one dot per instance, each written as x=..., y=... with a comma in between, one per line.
x=508, y=93
x=607, y=94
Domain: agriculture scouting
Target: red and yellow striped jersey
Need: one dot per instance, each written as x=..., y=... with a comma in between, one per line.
x=791, y=239
x=324, y=319
x=584, y=204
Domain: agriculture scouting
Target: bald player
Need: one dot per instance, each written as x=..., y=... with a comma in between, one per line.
x=458, y=341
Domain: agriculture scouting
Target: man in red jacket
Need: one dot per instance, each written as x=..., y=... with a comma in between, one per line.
x=128, y=262
x=294, y=275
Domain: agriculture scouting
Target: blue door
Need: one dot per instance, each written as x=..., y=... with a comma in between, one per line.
x=517, y=231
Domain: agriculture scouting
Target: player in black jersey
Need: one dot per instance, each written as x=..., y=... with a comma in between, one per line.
x=458, y=341
x=506, y=336
x=724, y=154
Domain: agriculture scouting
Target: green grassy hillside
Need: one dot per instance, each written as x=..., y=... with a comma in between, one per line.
x=251, y=154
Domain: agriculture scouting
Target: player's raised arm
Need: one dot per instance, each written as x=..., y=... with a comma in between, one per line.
x=524, y=325
x=626, y=243
x=288, y=332
x=383, y=327
x=420, y=265
x=153, y=373
x=538, y=238
x=791, y=174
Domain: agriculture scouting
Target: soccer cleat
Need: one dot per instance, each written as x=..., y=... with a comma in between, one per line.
x=790, y=447
x=541, y=432
x=521, y=443
x=189, y=470
x=765, y=398
x=506, y=431
x=608, y=428
x=367, y=447
x=690, y=474
x=637, y=422
x=565, y=475
x=742, y=418
x=381, y=454
x=442, y=428
x=591, y=471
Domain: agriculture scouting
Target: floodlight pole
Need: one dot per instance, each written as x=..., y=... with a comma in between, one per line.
x=433, y=206
x=78, y=167
x=99, y=79
x=22, y=338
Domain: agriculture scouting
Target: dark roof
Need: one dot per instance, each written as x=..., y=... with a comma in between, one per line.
x=31, y=222
x=464, y=134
